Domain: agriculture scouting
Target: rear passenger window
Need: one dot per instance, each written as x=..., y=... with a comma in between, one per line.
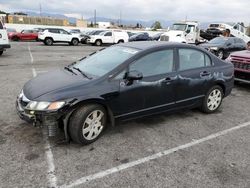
x=191, y=59
x=155, y=63
x=54, y=30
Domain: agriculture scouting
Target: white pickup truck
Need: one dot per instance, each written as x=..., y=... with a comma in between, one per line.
x=184, y=32
x=109, y=37
x=4, y=41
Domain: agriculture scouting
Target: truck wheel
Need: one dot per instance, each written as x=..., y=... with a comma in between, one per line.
x=1, y=52
x=48, y=41
x=221, y=54
x=74, y=42
x=212, y=100
x=98, y=42
x=87, y=123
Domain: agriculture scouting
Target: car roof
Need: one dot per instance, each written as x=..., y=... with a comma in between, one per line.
x=143, y=45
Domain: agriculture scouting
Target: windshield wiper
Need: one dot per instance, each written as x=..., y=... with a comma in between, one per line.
x=84, y=74
x=69, y=69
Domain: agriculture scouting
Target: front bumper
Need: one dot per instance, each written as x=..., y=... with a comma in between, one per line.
x=4, y=46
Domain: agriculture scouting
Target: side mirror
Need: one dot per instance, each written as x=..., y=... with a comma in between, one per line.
x=133, y=75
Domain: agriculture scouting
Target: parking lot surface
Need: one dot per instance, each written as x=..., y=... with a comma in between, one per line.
x=187, y=149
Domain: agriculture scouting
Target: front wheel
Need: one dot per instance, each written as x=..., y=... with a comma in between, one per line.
x=87, y=123
x=74, y=42
x=98, y=42
x=212, y=100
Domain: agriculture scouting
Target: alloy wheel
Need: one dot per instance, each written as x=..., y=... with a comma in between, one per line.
x=214, y=99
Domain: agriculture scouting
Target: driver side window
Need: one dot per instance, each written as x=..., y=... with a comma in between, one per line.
x=155, y=63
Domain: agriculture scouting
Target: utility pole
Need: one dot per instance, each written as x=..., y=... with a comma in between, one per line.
x=95, y=18
x=40, y=9
x=120, y=17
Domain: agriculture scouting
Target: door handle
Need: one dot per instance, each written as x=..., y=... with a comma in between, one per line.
x=167, y=80
x=205, y=73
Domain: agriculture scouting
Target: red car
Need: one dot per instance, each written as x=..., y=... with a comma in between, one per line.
x=11, y=32
x=25, y=35
x=241, y=61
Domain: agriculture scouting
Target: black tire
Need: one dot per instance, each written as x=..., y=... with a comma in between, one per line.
x=15, y=38
x=98, y=42
x=221, y=54
x=75, y=42
x=1, y=53
x=205, y=105
x=77, y=123
x=48, y=41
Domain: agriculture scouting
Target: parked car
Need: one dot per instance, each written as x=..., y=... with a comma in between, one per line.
x=109, y=37
x=241, y=62
x=75, y=31
x=55, y=35
x=4, y=41
x=125, y=81
x=86, y=36
x=223, y=46
x=140, y=37
x=10, y=32
x=25, y=35
x=157, y=36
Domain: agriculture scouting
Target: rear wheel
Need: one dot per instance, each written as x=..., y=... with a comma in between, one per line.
x=98, y=42
x=1, y=52
x=48, y=41
x=212, y=100
x=87, y=123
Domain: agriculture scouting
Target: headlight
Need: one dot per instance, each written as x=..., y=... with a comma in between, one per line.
x=213, y=48
x=40, y=106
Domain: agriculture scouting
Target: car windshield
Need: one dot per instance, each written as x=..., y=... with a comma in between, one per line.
x=179, y=27
x=106, y=60
x=218, y=40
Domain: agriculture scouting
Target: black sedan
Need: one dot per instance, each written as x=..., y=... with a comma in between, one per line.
x=122, y=82
x=223, y=46
x=140, y=37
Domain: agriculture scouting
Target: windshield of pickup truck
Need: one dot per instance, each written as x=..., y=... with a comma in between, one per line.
x=179, y=27
x=106, y=60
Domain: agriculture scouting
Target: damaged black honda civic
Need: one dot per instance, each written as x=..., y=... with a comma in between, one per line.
x=123, y=82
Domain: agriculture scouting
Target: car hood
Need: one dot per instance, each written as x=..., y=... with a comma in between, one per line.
x=243, y=54
x=51, y=81
x=173, y=33
x=208, y=45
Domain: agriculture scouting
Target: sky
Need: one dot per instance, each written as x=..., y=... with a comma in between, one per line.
x=202, y=10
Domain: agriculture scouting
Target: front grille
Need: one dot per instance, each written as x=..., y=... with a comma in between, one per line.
x=241, y=63
x=164, y=38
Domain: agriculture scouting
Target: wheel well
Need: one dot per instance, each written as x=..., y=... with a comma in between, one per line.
x=49, y=38
x=222, y=86
x=110, y=116
x=121, y=40
x=75, y=38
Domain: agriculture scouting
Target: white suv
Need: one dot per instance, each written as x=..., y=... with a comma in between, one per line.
x=53, y=35
x=109, y=37
x=4, y=41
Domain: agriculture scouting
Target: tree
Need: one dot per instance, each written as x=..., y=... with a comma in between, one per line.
x=156, y=25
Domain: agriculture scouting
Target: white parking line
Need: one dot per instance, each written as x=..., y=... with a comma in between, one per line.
x=151, y=157
x=52, y=180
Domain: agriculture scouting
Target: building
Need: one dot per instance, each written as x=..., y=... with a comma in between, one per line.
x=23, y=19
x=81, y=23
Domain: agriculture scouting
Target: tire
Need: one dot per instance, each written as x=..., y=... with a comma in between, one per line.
x=212, y=100
x=221, y=54
x=15, y=38
x=83, y=119
x=1, y=53
x=75, y=42
x=48, y=41
x=98, y=42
